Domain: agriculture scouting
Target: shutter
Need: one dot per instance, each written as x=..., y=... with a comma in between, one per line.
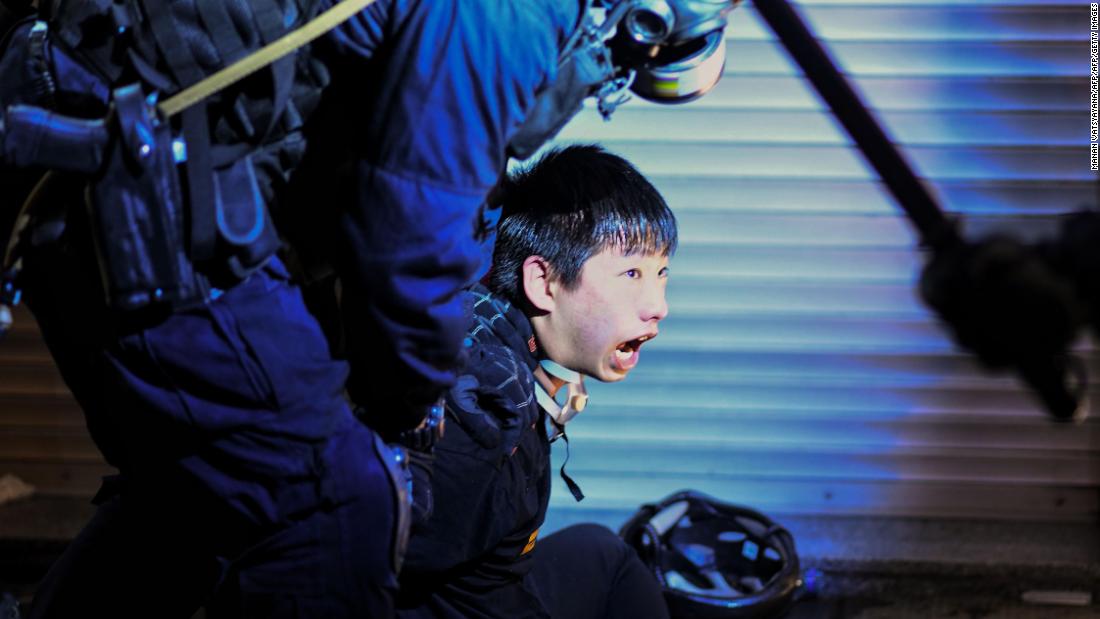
x=797, y=371
x=43, y=438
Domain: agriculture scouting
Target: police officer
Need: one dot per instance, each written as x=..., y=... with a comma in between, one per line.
x=246, y=484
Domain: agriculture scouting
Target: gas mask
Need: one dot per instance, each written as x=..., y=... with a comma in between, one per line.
x=668, y=51
x=576, y=397
x=676, y=49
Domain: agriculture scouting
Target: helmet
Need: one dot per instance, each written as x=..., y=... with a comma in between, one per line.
x=715, y=560
x=676, y=48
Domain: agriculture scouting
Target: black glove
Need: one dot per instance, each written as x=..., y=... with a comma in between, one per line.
x=1076, y=254
x=468, y=403
x=1003, y=302
x=490, y=416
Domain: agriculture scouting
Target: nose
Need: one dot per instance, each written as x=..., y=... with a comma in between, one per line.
x=654, y=306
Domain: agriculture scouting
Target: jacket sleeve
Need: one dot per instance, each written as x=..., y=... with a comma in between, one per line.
x=444, y=83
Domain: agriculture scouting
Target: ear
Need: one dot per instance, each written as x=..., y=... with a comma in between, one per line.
x=536, y=283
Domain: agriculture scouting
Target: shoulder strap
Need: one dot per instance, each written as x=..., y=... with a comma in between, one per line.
x=264, y=56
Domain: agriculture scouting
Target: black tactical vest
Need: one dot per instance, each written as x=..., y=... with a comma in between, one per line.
x=240, y=144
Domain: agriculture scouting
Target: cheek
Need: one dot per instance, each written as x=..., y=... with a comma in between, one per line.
x=594, y=328
x=596, y=336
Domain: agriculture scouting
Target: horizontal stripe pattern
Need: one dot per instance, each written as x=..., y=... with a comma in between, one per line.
x=799, y=371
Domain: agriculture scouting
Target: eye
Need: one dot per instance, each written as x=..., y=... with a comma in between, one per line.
x=633, y=273
x=663, y=273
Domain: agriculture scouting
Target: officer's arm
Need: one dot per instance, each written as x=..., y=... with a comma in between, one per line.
x=445, y=93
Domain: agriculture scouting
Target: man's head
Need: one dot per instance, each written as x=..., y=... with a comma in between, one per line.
x=583, y=246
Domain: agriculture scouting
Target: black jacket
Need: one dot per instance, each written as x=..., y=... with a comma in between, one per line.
x=491, y=483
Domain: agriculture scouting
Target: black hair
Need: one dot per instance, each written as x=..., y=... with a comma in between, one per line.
x=573, y=203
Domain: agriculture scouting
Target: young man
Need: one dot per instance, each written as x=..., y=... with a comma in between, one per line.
x=577, y=286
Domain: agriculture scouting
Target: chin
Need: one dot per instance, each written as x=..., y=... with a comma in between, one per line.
x=611, y=376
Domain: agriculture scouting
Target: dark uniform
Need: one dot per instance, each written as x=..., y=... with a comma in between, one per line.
x=245, y=483
x=480, y=555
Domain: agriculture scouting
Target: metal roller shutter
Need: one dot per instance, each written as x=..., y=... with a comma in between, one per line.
x=798, y=372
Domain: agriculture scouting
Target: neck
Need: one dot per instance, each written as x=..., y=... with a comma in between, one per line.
x=550, y=383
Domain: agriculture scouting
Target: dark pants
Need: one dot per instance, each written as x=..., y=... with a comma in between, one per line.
x=587, y=572
x=246, y=485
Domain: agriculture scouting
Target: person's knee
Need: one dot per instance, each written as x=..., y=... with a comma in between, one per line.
x=627, y=588
x=599, y=541
x=591, y=533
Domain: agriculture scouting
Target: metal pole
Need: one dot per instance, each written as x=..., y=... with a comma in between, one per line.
x=914, y=198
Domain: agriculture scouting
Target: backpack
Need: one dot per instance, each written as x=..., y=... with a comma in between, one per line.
x=176, y=206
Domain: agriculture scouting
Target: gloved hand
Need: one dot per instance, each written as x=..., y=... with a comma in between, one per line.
x=491, y=417
x=470, y=404
x=1003, y=302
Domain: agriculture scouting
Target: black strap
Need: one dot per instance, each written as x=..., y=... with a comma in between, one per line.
x=269, y=20
x=223, y=34
x=196, y=129
x=574, y=488
x=200, y=182
x=173, y=48
x=231, y=47
x=148, y=73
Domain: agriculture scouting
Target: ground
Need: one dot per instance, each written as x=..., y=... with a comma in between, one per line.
x=858, y=567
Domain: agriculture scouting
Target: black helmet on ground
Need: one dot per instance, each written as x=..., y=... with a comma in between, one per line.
x=715, y=560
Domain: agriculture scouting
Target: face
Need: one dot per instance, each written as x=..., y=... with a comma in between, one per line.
x=598, y=327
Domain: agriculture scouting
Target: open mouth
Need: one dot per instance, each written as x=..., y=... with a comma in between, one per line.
x=626, y=354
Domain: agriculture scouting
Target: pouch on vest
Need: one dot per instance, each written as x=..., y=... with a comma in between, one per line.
x=135, y=199
x=164, y=233
x=246, y=234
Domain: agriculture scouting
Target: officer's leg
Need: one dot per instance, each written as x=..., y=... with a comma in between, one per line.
x=586, y=571
x=233, y=406
x=327, y=549
x=336, y=562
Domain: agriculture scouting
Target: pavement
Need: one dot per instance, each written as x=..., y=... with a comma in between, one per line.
x=857, y=567
x=862, y=567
